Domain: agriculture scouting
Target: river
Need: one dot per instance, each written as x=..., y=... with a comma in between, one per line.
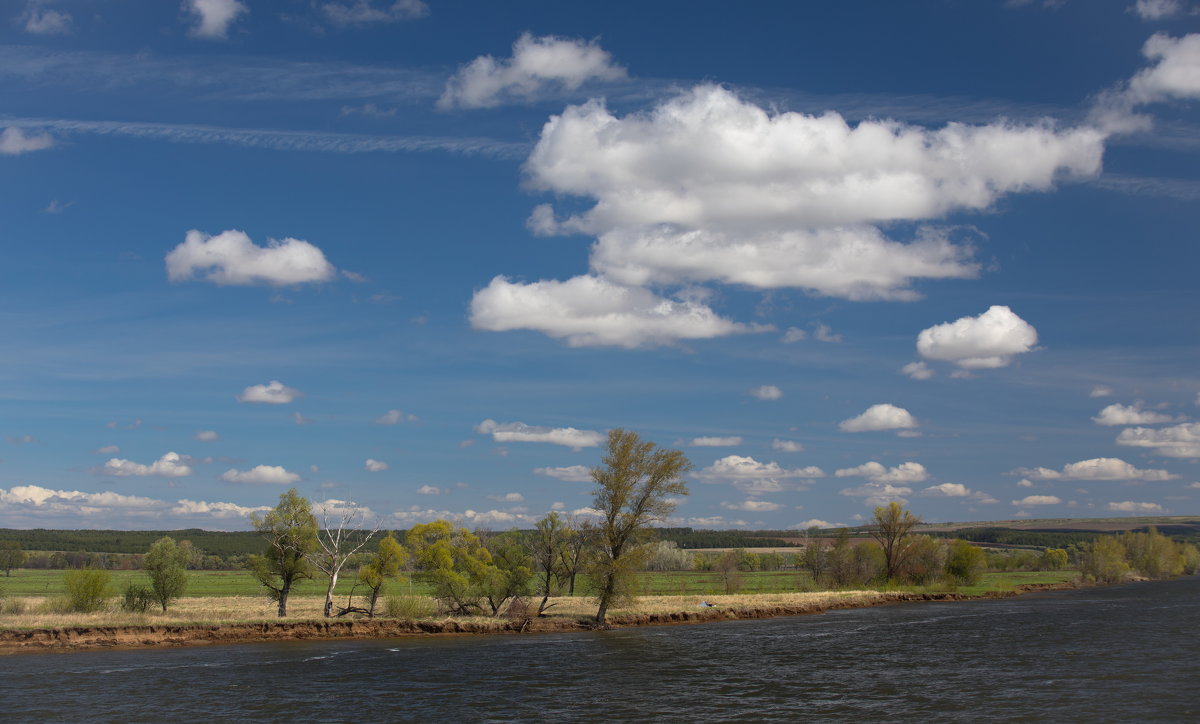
x=1123, y=653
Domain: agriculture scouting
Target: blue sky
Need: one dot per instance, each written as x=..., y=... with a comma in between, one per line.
x=423, y=255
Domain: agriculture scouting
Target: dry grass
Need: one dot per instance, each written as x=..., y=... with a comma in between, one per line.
x=242, y=609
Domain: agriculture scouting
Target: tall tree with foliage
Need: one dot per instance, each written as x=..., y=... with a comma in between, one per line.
x=11, y=556
x=636, y=482
x=513, y=569
x=892, y=530
x=341, y=536
x=546, y=549
x=384, y=565
x=166, y=564
x=291, y=532
x=580, y=536
x=454, y=562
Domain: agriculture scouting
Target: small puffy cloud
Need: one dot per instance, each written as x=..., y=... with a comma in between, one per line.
x=394, y=417
x=374, y=466
x=1096, y=469
x=207, y=436
x=1038, y=500
x=591, y=311
x=1176, y=73
x=570, y=474
x=1156, y=9
x=272, y=393
x=508, y=498
x=170, y=465
x=917, y=370
x=793, y=335
x=812, y=523
x=14, y=142
x=715, y=441
x=875, y=494
x=369, y=12
x=41, y=20
x=767, y=392
x=880, y=417
x=987, y=341
x=1130, y=506
x=1177, y=441
x=786, y=446
x=520, y=432
x=1118, y=414
x=300, y=419
x=536, y=64
x=429, y=490
x=909, y=472
x=231, y=258
x=1024, y=483
x=753, y=477
x=824, y=334
x=1101, y=391
x=261, y=475
x=213, y=17
x=753, y=506
x=108, y=450
x=1195, y=485
x=947, y=490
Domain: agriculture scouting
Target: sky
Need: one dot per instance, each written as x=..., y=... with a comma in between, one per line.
x=421, y=255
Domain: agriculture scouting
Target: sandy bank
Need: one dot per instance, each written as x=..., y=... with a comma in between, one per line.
x=727, y=608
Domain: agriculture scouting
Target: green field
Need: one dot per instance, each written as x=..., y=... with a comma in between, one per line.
x=684, y=583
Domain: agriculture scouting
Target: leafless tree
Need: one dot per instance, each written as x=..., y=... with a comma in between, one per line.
x=340, y=537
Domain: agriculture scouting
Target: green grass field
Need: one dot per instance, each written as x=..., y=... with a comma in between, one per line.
x=683, y=583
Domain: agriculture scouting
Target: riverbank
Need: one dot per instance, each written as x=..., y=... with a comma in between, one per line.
x=568, y=615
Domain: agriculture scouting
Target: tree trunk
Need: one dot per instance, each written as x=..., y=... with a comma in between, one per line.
x=329, y=594
x=283, y=596
x=374, y=599
x=610, y=584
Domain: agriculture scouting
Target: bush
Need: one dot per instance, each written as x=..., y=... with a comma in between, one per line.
x=86, y=589
x=137, y=598
x=13, y=606
x=409, y=607
x=965, y=563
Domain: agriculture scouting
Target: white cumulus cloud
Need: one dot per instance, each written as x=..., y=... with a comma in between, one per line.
x=1038, y=500
x=1097, y=469
x=520, y=432
x=213, y=17
x=987, y=341
x=917, y=370
x=753, y=477
x=41, y=20
x=1130, y=506
x=261, y=475
x=875, y=494
x=786, y=446
x=753, y=506
x=880, y=417
x=374, y=466
x=1101, y=391
x=22, y=504
x=231, y=258
x=1118, y=414
x=1156, y=9
x=14, y=142
x=537, y=63
x=570, y=473
x=272, y=393
x=429, y=490
x=767, y=392
x=590, y=311
x=1177, y=441
x=170, y=465
x=909, y=472
x=813, y=523
x=207, y=436
x=394, y=417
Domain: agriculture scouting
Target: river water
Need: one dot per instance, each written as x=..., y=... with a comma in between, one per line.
x=1125, y=653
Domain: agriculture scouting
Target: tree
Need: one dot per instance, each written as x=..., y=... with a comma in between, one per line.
x=339, y=538
x=635, y=483
x=580, y=536
x=166, y=563
x=384, y=564
x=1105, y=560
x=513, y=569
x=453, y=561
x=547, y=550
x=87, y=588
x=892, y=527
x=291, y=532
x=965, y=563
x=11, y=556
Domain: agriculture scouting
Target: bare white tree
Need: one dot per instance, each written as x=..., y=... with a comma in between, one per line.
x=343, y=523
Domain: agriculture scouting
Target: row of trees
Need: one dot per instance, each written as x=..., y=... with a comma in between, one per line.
x=1112, y=559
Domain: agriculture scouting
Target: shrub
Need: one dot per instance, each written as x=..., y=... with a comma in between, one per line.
x=965, y=563
x=86, y=589
x=13, y=606
x=409, y=607
x=137, y=598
